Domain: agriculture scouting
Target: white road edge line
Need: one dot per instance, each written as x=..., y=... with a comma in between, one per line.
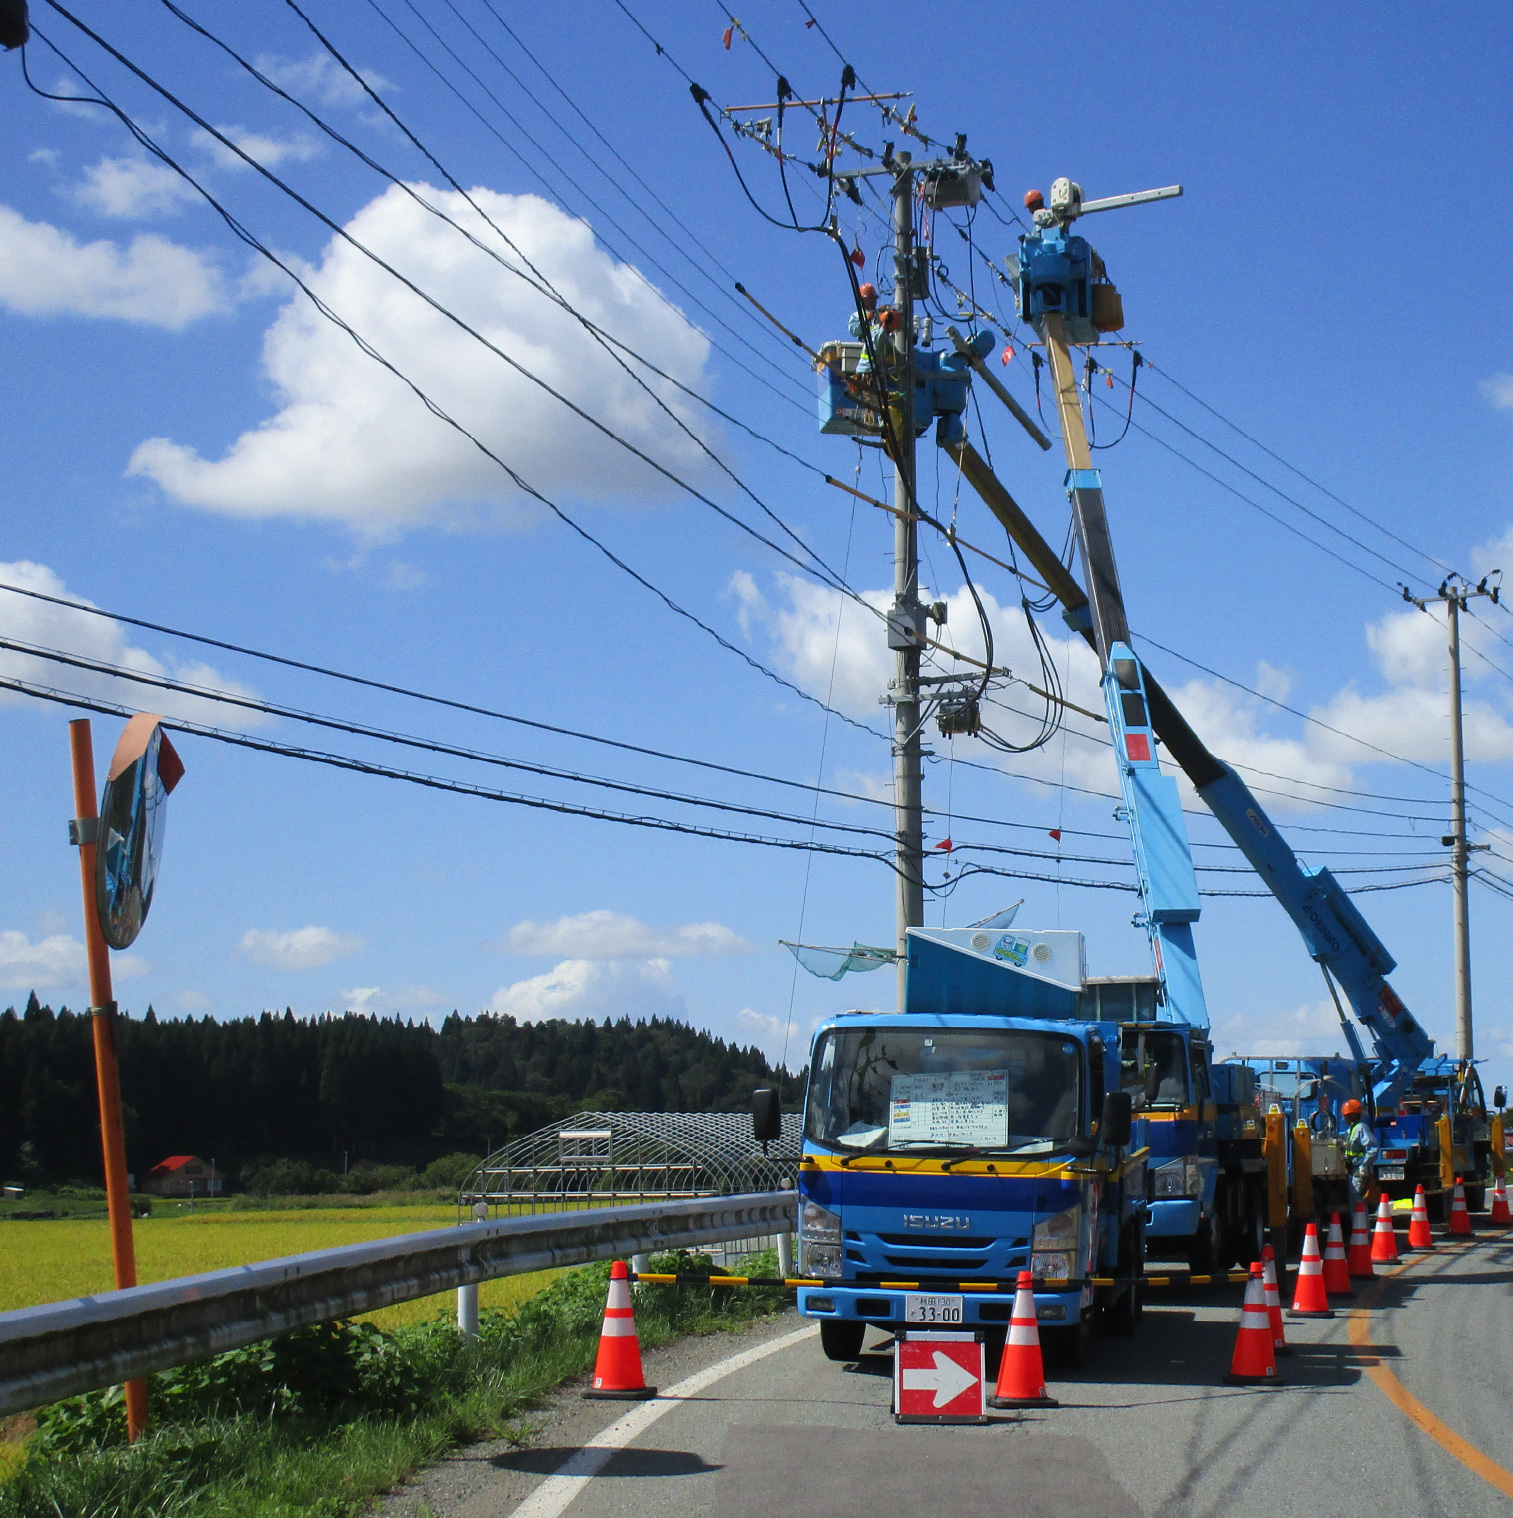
x=553, y=1495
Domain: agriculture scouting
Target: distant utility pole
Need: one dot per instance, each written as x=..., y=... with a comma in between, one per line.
x=905, y=624
x=1455, y=593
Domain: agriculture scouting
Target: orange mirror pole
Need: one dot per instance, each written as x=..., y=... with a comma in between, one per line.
x=102, y=1012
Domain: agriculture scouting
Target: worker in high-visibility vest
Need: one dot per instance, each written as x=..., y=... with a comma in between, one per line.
x=1360, y=1150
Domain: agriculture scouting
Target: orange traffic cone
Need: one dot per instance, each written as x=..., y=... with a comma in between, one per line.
x=1255, y=1357
x=1021, y=1373
x=1500, y=1213
x=1384, y=1236
x=1360, y=1245
x=1419, y=1236
x=1273, y=1301
x=1336, y=1267
x=1310, y=1300
x=1460, y=1219
x=617, y=1372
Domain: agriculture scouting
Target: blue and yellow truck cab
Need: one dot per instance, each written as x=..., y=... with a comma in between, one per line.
x=980, y=1132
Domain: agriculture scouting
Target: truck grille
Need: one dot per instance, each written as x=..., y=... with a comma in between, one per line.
x=914, y=1241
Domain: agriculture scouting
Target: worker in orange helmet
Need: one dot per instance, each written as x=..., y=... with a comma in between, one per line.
x=1360, y=1150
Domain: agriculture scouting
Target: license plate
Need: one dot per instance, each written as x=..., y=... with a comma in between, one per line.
x=919, y=1308
x=1389, y=1172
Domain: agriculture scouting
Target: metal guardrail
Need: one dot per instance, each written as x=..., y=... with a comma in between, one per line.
x=63, y=1348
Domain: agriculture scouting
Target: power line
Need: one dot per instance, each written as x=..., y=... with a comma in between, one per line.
x=1265, y=511
x=1316, y=721
x=407, y=740
x=436, y=305
x=554, y=192
x=1308, y=479
x=436, y=782
x=252, y=241
x=541, y=283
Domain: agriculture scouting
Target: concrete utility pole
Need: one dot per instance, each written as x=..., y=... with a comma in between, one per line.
x=905, y=622
x=1455, y=593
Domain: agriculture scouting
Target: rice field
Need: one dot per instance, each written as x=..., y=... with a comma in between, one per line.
x=49, y=1261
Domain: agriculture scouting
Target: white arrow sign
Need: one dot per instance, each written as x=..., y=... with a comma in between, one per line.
x=948, y=1380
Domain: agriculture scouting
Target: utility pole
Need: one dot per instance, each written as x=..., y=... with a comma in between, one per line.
x=1456, y=593
x=905, y=623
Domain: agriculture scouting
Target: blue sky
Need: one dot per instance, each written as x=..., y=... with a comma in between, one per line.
x=188, y=442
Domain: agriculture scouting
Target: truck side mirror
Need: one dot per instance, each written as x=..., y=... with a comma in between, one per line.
x=1500, y=1098
x=766, y=1115
x=1114, y=1129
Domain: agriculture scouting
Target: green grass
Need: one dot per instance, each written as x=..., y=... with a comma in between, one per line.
x=320, y=1422
x=51, y=1261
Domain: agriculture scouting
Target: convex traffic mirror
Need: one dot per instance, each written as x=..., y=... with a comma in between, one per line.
x=133, y=811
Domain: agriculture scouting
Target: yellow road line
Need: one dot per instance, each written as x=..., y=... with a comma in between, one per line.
x=1409, y=1405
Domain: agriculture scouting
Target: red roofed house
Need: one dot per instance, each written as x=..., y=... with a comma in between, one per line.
x=184, y=1175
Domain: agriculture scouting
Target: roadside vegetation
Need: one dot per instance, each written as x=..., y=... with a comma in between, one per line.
x=319, y=1422
x=70, y=1257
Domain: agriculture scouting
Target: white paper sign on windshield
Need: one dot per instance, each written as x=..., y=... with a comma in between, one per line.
x=955, y=1107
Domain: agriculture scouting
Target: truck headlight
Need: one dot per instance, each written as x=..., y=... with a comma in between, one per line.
x=1053, y=1265
x=819, y=1261
x=1053, y=1246
x=1178, y=1178
x=820, y=1251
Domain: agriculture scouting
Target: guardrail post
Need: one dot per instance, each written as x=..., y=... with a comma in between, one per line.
x=639, y=1265
x=467, y=1310
x=785, y=1255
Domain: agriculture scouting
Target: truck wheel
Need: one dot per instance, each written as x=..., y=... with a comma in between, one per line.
x=1124, y=1312
x=1063, y=1346
x=1476, y=1198
x=1200, y=1252
x=841, y=1340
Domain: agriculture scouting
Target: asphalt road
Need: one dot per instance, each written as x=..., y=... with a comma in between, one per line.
x=1399, y=1406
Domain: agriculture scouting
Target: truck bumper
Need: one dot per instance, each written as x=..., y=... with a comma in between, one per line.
x=983, y=1309
x=1173, y=1219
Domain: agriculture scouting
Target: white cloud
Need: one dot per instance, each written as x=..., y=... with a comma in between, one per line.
x=352, y=444
x=54, y=963
x=612, y=935
x=100, y=639
x=129, y=189
x=1408, y=717
x=1499, y=390
x=299, y=948
x=263, y=148
x=400, y=999
x=582, y=988
x=193, y=1001
x=770, y=1025
x=320, y=76
x=45, y=271
x=1281, y=1034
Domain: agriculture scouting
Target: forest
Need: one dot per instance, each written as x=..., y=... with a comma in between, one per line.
x=337, y=1092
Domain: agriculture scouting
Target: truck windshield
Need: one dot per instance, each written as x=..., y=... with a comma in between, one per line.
x=908, y=1089
x=1154, y=1068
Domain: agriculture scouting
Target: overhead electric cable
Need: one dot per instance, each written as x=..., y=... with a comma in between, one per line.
x=435, y=782
x=1306, y=478
x=245, y=235
x=406, y=740
x=556, y=194
x=1319, y=722
x=539, y=281
x=436, y=305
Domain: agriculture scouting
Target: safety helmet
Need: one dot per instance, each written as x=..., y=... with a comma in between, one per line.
x=1352, y=1108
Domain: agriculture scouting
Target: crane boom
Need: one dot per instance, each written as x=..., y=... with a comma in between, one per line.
x=1336, y=934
